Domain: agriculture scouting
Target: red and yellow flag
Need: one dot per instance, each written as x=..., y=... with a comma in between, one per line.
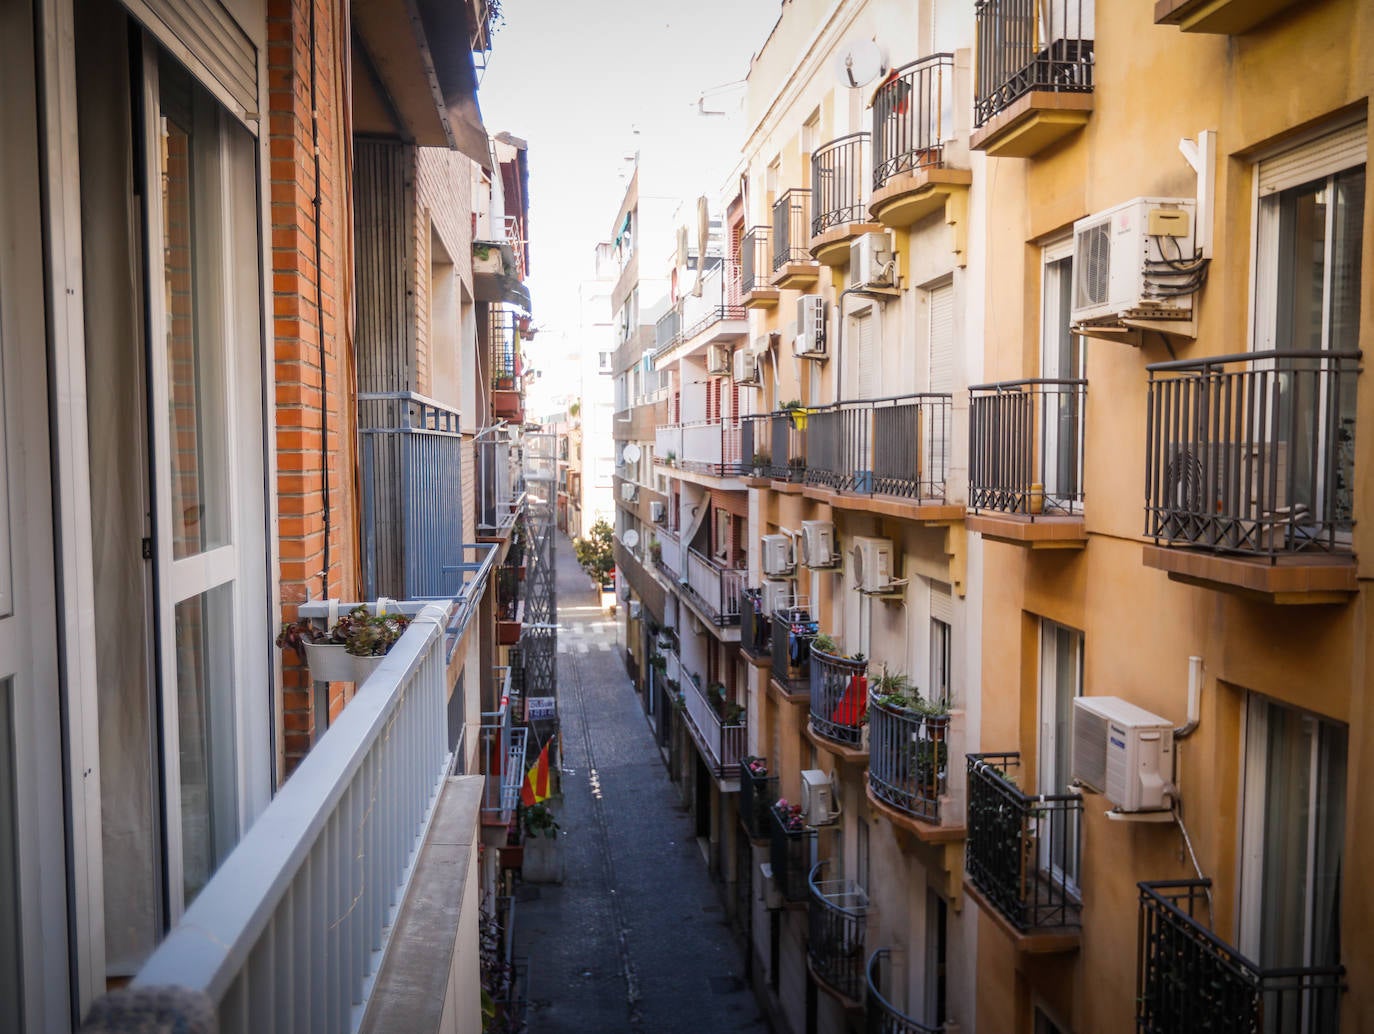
x=536, y=786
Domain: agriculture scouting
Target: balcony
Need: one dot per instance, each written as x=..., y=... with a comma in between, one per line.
x=667, y=331
x=841, y=175
x=897, y=447
x=756, y=270
x=757, y=795
x=886, y=1016
x=1223, y=17
x=410, y=450
x=314, y=898
x=718, y=727
x=510, y=605
x=1035, y=74
x=1026, y=462
x=1190, y=981
x=668, y=444
x=791, y=846
x=755, y=628
x=838, y=917
x=1020, y=853
x=505, y=364
x=793, y=267
x=793, y=631
x=668, y=557
x=502, y=747
x=839, y=702
x=711, y=447
x=715, y=316
x=713, y=588
x=500, y=482
x=772, y=446
x=1250, y=465
x=909, y=748
x=913, y=115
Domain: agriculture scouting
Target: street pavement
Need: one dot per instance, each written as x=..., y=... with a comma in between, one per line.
x=636, y=938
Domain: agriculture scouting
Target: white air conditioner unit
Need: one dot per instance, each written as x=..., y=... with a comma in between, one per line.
x=1121, y=261
x=872, y=261
x=775, y=594
x=873, y=567
x=1124, y=752
x=778, y=561
x=718, y=360
x=819, y=804
x=634, y=610
x=658, y=512
x=818, y=544
x=810, y=340
x=629, y=491
x=747, y=368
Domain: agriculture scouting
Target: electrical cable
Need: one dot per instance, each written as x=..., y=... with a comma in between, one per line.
x=1188, y=843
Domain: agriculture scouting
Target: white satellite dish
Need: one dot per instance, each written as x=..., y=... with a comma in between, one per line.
x=859, y=63
x=631, y=453
x=630, y=538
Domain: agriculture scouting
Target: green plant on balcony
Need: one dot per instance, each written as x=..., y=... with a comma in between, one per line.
x=670, y=458
x=732, y=714
x=537, y=820
x=655, y=551
x=359, y=632
x=796, y=413
x=658, y=662
x=757, y=767
x=760, y=461
x=789, y=815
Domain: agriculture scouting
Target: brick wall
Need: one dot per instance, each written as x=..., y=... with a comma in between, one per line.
x=310, y=301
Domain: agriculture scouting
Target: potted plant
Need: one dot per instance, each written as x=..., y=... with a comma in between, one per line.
x=789, y=815
x=796, y=467
x=671, y=458
x=796, y=413
x=350, y=648
x=761, y=461
x=655, y=551
x=543, y=857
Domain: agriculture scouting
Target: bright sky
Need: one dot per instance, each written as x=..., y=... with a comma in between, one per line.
x=576, y=79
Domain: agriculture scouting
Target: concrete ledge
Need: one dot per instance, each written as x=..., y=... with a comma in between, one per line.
x=1289, y=579
x=1223, y=17
x=1032, y=122
x=1021, y=530
x=1029, y=942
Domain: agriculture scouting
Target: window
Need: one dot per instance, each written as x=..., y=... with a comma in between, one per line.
x=1294, y=831
x=603, y=362
x=941, y=642
x=1061, y=359
x=866, y=363
x=1061, y=680
x=937, y=958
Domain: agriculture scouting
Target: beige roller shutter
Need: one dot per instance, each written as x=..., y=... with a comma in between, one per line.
x=942, y=339
x=203, y=37
x=1341, y=149
x=941, y=603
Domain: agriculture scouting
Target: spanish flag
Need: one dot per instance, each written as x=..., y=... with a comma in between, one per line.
x=536, y=786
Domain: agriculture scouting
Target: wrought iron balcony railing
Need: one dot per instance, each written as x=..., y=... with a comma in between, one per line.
x=1026, y=45
x=757, y=795
x=756, y=259
x=885, y=1016
x=839, y=697
x=913, y=115
x=667, y=330
x=791, y=227
x=1022, y=849
x=503, y=349
x=411, y=453
x=1253, y=453
x=716, y=589
x=908, y=759
x=790, y=856
x=500, y=479
x=1026, y=447
x=723, y=739
x=838, y=917
x=755, y=627
x=793, y=631
x=892, y=446
x=772, y=445
x=840, y=180
x=1190, y=981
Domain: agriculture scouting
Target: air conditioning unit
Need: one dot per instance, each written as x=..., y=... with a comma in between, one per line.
x=873, y=567
x=810, y=340
x=1123, y=752
x=819, y=807
x=629, y=491
x=634, y=610
x=872, y=261
x=658, y=512
x=747, y=368
x=1224, y=477
x=778, y=561
x=1120, y=261
x=718, y=360
x=818, y=544
x=775, y=594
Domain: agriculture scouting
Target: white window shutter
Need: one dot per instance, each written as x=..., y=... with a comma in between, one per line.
x=1343, y=149
x=942, y=339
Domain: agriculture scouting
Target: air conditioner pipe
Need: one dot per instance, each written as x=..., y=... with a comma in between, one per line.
x=1194, y=698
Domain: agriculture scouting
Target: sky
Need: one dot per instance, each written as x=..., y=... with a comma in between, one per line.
x=576, y=79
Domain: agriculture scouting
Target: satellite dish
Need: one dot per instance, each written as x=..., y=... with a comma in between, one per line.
x=859, y=63
x=630, y=538
x=631, y=453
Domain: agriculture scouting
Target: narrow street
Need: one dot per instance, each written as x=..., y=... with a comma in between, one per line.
x=636, y=936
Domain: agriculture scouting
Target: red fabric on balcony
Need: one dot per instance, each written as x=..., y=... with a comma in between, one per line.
x=850, y=710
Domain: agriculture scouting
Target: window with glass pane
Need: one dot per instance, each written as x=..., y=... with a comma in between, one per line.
x=1061, y=359
x=1061, y=680
x=940, y=639
x=11, y=975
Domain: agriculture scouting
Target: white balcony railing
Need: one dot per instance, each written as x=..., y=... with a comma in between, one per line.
x=715, y=587
x=668, y=443
x=724, y=744
x=503, y=754
x=670, y=553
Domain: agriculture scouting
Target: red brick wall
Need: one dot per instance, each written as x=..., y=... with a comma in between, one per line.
x=304, y=390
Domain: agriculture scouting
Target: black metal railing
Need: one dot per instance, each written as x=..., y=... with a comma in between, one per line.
x=755, y=259
x=755, y=628
x=757, y=795
x=668, y=330
x=793, y=631
x=837, y=920
x=1026, y=45
x=908, y=759
x=1022, y=849
x=789, y=855
x=1026, y=446
x=885, y=1017
x=1253, y=453
x=913, y=115
x=500, y=480
x=839, y=697
x=840, y=179
x=892, y=446
x=791, y=227
x=1190, y=981
x=503, y=349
